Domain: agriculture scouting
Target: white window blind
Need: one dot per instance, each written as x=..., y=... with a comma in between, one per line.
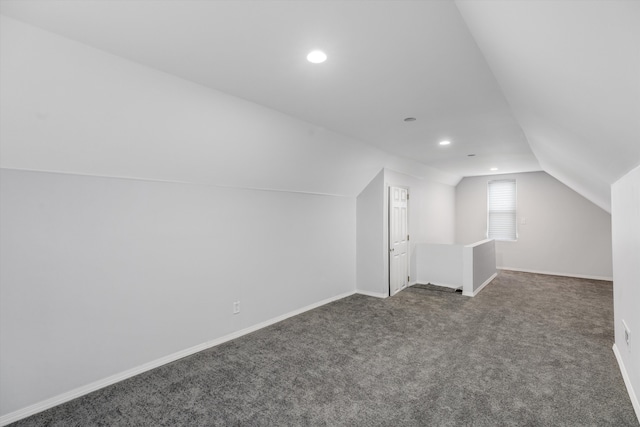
x=501, y=217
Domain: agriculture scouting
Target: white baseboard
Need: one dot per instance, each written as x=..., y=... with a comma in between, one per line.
x=97, y=385
x=552, y=273
x=486, y=282
x=372, y=294
x=627, y=382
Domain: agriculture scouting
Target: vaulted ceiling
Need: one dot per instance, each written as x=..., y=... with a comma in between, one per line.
x=519, y=86
x=570, y=71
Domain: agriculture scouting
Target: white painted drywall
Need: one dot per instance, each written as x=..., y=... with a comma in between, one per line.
x=569, y=70
x=100, y=275
x=69, y=107
x=431, y=213
x=439, y=264
x=432, y=210
x=483, y=262
x=564, y=233
x=370, y=252
x=456, y=266
x=625, y=213
x=431, y=220
x=103, y=274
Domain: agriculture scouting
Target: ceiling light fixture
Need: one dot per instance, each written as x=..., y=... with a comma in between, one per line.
x=493, y=169
x=316, y=56
x=410, y=119
x=445, y=142
x=471, y=155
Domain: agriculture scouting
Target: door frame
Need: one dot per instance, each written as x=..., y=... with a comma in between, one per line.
x=388, y=234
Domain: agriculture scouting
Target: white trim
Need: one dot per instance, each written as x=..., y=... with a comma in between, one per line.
x=627, y=382
x=412, y=283
x=474, y=293
x=388, y=234
x=97, y=385
x=169, y=181
x=372, y=294
x=467, y=270
x=551, y=273
x=481, y=242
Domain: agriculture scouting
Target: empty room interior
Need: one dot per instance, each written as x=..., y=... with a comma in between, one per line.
x=320, y=212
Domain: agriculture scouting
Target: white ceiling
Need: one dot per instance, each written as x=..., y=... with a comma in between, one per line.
x=387, y=61
x=571, y=72
x=567, y=86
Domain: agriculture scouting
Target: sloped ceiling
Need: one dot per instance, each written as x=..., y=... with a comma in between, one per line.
x=521, y=85
x=570, y=71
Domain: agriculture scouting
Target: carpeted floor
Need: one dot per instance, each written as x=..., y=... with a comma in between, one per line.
x=430, y=287
x=529, y=350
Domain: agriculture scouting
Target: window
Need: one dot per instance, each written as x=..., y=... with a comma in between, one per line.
x=501, y=215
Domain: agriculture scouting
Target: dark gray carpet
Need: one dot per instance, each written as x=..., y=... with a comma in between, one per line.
x=435, y=288
x=529, y=350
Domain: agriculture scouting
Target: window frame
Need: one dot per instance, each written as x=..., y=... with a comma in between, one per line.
x=515, y=211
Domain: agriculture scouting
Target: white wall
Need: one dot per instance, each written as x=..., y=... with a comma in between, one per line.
x=564, y=233
x=625, y=204
x=370, y=251
x=101, y=272
x=470, y=267
x=69, y=107
x=572, y=85
x=439, y=264
x=100, y=275
x=431, y=220
x=431, y=213
x=432, y=209
x=479, y=265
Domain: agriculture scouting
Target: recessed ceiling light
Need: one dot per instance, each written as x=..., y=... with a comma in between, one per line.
x=317, y=56
x=445, y=142
x=410, y=119
x=471, y=155
x=493, y=169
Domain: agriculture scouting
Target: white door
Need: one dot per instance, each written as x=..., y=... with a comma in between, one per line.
x=398, y=240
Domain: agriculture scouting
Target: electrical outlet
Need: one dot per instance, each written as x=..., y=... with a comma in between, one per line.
x=236, y=307
x=627, y=335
